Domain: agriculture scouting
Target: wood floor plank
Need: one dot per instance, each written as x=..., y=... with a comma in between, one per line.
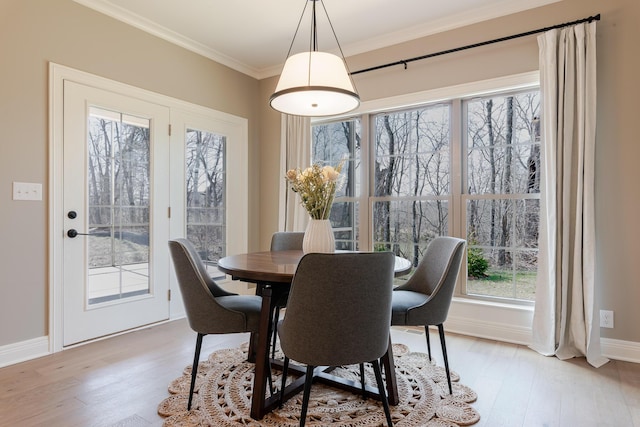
x=120, y=381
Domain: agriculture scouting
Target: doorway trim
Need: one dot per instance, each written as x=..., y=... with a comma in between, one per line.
x=238, y=194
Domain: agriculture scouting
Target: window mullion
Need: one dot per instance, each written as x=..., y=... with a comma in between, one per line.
x=365, y=220
x=457, y=214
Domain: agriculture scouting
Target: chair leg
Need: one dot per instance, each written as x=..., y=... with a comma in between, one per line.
x=426, y=333
x=276, y=318
x=194, y=369
x=307, y=392
x=270, y=377
x=364, y=392
x=444, y=355
x=285, y=371
x=381, y=390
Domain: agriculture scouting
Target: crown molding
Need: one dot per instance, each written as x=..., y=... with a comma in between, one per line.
x=148, y=26
x=465, y=18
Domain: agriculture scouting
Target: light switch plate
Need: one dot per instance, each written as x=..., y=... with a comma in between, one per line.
x=27, y=191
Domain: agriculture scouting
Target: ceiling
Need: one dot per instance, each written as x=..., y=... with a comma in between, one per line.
x=253, y=36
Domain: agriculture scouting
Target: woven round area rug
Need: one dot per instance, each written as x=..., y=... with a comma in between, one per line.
x=225, y=381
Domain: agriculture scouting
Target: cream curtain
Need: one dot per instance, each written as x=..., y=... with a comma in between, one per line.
x=295, y=152
x=565, y=323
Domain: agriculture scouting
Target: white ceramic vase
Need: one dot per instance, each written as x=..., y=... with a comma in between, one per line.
x=318, y=237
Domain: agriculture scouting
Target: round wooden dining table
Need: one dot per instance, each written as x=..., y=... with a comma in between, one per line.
x=262, y=267
x=273, y=272
x=278, y=266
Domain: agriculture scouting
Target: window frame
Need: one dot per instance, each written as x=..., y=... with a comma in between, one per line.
x=465, y=195
x=455, y=96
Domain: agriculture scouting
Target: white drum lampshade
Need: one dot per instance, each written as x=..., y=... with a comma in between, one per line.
x=314, y=84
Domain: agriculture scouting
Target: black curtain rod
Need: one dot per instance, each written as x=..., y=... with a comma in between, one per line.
x=471, y=46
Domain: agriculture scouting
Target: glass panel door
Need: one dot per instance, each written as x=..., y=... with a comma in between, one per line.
x=116, y=223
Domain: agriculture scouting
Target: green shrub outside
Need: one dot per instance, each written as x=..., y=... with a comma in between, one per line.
x=477, y=265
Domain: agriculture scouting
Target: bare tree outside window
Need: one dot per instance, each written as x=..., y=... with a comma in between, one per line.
x=205, y=184
x=411, y=179
x=333, y=143
x=118, y=189
x=409, y=189
x=503, y=187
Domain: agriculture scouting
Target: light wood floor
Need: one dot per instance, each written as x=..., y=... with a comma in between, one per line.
x=120, y=381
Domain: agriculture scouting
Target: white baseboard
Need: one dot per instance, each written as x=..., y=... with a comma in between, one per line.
x=21, y=351
x=627, y=351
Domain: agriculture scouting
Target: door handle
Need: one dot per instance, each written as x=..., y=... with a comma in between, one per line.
x=73, y=233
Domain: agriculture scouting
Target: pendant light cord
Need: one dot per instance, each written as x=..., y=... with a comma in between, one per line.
x=335, y=36
x=296, y=32
x=332, y=29
x=314, y=29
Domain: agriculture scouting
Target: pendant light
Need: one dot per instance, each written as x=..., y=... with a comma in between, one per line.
x=315, y=83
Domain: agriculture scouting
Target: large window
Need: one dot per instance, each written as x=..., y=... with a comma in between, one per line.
x=502, y=194
x=464, y=167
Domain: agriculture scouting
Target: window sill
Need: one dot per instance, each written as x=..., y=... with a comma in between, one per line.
x=488, y=303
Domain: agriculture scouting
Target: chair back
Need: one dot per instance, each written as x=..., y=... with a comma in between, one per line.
x=199, y=293
x=287, y=240
x=437, y=273
x=339, y=308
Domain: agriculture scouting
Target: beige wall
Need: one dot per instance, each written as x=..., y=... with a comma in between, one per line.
x=35, y=32
x=618, y=143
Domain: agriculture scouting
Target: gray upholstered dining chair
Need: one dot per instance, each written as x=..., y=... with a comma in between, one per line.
x=425, y=298
x=287, y=240
x=338, y=313
x=210, y=309
x=283, y=241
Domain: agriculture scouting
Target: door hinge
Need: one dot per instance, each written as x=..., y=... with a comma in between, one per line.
x=169, y=295
x=169, y=129
x=169, y=212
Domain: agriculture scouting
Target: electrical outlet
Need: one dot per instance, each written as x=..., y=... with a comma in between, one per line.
x=606, y=318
